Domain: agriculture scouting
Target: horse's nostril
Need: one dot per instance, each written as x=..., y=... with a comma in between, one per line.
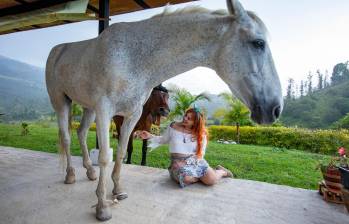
x=276, y=111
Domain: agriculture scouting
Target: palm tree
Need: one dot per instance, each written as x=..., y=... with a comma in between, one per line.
x=237, y=113
x=1, y=114
x=183, y=99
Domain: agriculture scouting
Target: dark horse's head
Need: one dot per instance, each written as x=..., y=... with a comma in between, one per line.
x=157, y=104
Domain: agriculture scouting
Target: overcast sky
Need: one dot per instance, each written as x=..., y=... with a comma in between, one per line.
x=304, y=36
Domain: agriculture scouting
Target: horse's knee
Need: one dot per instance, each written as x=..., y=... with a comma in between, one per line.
x=65, y=141
x=103, y=161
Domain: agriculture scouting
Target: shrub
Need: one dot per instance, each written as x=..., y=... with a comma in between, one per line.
x=25, y=130
x=318, y=141
x=75, y=125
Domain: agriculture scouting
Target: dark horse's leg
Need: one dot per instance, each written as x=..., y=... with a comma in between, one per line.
x=129, y=149
x=144, y=152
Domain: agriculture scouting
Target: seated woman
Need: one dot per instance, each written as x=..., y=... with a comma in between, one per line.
x=187, y=144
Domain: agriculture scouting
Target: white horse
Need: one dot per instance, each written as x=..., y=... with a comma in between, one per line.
x=128, y=60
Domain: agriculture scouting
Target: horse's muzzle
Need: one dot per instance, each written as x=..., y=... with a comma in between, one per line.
x=164, y=111
x=266, y=114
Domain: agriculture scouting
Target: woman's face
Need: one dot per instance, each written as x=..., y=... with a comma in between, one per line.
x=188, y=120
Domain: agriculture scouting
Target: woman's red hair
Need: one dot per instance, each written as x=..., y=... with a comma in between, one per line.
x=199, y=130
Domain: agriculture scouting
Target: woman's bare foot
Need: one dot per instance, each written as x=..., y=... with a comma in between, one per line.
x=228, y=173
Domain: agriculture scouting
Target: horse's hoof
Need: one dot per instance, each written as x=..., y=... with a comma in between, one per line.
x=103, y=214
x=91, y=174
x=70, y=177
x=120, y=195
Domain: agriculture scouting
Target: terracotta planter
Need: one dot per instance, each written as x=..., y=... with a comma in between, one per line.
x=332, y=177
x=345, y=176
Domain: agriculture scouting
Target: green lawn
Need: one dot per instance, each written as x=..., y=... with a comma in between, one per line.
x=286, y=167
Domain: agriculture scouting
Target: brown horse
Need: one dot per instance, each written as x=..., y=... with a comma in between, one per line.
x=153, y=110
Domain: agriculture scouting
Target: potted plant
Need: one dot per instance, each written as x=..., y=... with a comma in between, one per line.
x=343, y=166
x=331, y=173
x=344, y=170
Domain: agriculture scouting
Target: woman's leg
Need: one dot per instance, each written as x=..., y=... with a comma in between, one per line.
x=212, y=176
x=190, y=180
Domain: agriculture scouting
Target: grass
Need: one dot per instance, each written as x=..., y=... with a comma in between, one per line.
x=267, y=164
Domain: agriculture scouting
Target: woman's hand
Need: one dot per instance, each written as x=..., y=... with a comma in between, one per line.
x=143, y=134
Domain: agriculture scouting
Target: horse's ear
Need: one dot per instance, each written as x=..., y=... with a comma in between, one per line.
x=235, y=8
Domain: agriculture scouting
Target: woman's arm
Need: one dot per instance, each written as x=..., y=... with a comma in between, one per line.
x=156, y=141
x=204, y=144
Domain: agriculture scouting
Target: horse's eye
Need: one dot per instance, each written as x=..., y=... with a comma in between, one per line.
x=258, y=44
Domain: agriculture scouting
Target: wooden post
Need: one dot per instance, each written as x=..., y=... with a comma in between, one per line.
x=103, y=13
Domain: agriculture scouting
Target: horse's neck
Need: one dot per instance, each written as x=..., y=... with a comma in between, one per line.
x=182, y=43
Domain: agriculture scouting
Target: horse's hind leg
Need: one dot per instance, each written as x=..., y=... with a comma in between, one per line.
x=87, y=118
x=62, y=106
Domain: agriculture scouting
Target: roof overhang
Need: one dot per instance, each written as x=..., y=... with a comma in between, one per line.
x=20, y=15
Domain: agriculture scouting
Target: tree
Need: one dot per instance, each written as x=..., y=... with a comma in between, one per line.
x=1, y=114
x=290, y=89
x=342, y=123
x=326, y=81
x=340, y=73
x=301, y=88
x=305, y=88
x=310, y=83
x=218, y=115
x=320, y=79
x=237, y=113
x=183, y=99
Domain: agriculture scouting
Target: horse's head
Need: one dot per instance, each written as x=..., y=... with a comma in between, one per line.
x=157, y=103
x=245, y=63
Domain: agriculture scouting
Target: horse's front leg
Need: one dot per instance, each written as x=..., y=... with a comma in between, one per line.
x=129, y=149
x=87, y=118
x=126, y=129
x=103, y=118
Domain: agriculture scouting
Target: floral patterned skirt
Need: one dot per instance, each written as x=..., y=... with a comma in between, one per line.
x=181, y=167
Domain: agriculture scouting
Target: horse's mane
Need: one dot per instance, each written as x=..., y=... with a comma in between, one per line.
x=191, y=10
x=198, y=9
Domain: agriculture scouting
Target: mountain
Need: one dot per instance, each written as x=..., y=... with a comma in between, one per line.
x=23, y=94
x=318, y=109
x=211, y=106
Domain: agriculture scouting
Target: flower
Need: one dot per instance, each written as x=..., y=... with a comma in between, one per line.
x=339, y=161
x=343, y=160
x=341, y=151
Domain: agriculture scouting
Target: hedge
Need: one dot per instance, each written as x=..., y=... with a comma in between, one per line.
x=318, y=141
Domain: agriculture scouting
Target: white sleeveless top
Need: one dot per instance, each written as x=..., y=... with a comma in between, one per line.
x=179, y=142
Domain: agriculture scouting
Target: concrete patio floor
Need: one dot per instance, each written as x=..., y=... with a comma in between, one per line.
x=32, y=191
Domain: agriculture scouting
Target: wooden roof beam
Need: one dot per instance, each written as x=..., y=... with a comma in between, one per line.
x=28, y=7
x=142, y=4
x=92, y=8
x=21, y=2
